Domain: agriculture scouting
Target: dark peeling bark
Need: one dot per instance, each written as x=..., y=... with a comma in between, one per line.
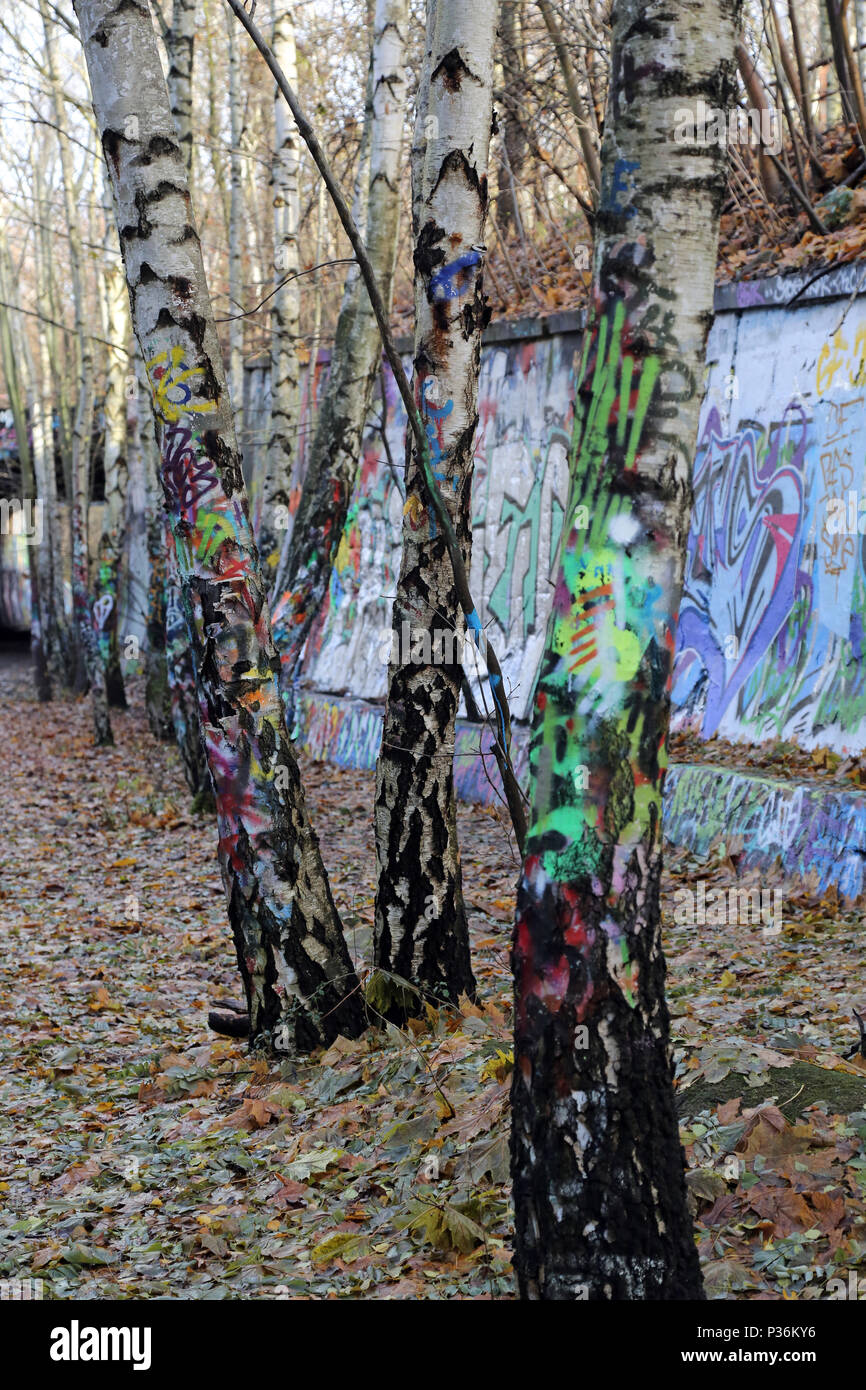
x=300, y=986
x=420, y=930
x=598, y=1169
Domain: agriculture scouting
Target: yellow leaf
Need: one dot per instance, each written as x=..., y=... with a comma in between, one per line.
x=727, y=979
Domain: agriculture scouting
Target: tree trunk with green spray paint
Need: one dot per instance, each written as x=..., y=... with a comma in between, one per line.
x=598, y=1168
x=420, y=931
x=304, y=573
x=300, y=986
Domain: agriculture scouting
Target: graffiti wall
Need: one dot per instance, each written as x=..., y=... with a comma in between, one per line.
x=771, y=626
x=521, y=474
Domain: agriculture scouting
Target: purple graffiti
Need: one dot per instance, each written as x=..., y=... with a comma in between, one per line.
x=743, y=579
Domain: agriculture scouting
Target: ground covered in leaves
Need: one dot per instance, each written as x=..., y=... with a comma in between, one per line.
x=144, y=1157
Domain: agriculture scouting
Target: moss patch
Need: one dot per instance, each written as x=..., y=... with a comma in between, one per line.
x=842, y=1092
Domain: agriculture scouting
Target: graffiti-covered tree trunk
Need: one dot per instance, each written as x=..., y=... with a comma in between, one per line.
x=420, y=922
x=285, y=309
x=111, y=545
x=157, y=700
x=305, y=572
x=236, y=226
x=300, y=986
x=89, y=658
x=179, y=44
x=597, y=1163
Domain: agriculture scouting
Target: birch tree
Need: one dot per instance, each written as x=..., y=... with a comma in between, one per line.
x=83, y=422
x=304, y=574
x=236, y=223
x=420, y=929
x=52, y=613
x=598, y=1168
x=300, y=986
x=115, y=318
x=179, y=39
x=286, y=306
x=17, y=373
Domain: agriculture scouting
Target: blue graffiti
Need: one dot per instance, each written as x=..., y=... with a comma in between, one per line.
x=453, y=281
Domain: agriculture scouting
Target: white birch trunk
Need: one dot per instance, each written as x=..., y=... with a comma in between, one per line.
x=300, y=986
x=599, y=1186
x=115, y=302
x=236, y=225
x=305, y=570
x=420, y=930
x=83, y=422
x=281, y=444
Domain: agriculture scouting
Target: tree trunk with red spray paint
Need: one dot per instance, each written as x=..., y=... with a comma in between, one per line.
x=300, y=985
x=598, y=1168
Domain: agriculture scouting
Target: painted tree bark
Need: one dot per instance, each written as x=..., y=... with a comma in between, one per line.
x=285, y=309
x=236, y=223
x=300, y=986
x=420, y=928
x=157, y=696
x=597, y=1163
x=179, y=43
x=115, y=304
x=305, y=571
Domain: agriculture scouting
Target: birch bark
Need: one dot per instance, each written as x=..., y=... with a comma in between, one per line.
x=286, y=308
x=598, y=1168
x=305, y=571
x=420, y=928
x=300, y=986
x=111, y=547
x=82, y=425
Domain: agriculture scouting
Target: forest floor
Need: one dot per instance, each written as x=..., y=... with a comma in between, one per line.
x=145, y=1157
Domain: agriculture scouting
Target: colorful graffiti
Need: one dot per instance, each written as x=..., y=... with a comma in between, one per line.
x=772, y=622
x=772, y=625
x=815, y=834
x=743, y=575
x=519, y=497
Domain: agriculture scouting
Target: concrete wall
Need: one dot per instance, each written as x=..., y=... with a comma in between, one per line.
x=771, y=629
x=521, y=477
